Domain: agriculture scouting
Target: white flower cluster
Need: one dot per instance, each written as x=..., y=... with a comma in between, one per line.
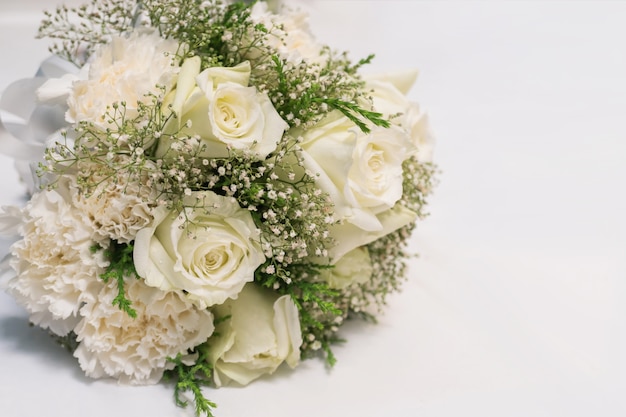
x=183, y=212
x=188, y=261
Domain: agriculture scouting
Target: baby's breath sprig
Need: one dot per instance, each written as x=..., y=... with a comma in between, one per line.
x=80, y=29
x=295, y=213
x=345, y=63
x=119, y=149
x=419, y=179
x=322, y=338
x=220, y=33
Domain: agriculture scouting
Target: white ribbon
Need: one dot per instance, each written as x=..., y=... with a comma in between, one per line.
x=25, y=124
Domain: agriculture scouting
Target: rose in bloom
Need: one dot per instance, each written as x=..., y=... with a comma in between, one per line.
x=261, y=332
x=135, y=350
x=56, y=270
x=218, y=106
x=210, y=250
x=355, y=267
x=362, y=173
x=375, y=176
x=388, y=92
x=125, y=70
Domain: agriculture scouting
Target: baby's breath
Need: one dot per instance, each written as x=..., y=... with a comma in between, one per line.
x=119, y=147
x=79, y=30
x=220, y=33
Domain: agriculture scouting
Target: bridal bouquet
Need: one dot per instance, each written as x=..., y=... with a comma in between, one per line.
x=215, y=191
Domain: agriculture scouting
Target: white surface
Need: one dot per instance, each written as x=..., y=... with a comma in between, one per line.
x=516, y=306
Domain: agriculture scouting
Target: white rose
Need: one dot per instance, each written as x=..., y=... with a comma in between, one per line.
x=218, y=106
x=361, y=173
x=125, y=70
x=209, y=251
x=355, y=267
x=262, y=331
x=375, y=176
x=389, y=95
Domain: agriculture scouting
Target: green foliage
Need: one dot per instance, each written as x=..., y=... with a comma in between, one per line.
x=121, y=267
x=218, y=32
x=68, y=342
x=303, y=93
x=191, y=378
x=355, y=113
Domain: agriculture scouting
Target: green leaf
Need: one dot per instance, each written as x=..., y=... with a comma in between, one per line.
x=192, y=378
x=121, y=267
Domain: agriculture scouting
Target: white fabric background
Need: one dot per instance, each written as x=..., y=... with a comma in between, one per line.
x=516, y=306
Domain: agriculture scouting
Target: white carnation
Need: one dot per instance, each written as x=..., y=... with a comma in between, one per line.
x=135, y=350
x=116, y=209
x=56, y=270
x=124, y=70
